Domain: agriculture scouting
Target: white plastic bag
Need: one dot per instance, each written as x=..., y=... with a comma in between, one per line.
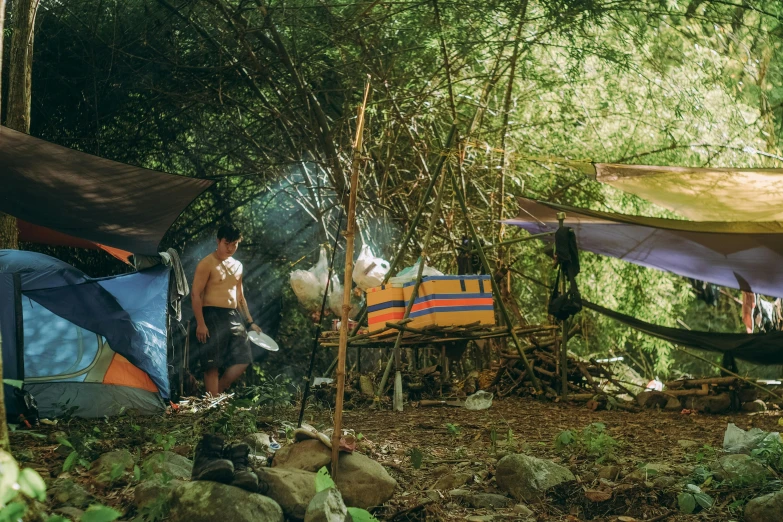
x=335, y=299
x=369, y=271
x=737, y=440
x=310, y=285
x=336, y=296
x=481, y=400
x=408, y=275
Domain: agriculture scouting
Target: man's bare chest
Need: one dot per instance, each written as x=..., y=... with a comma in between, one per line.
x=226, y=273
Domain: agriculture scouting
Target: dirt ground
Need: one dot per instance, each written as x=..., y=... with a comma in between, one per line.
x=447, y=440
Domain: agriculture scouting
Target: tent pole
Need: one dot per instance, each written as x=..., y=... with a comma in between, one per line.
x=349, y=242
x=564, y=337
x=495, y=288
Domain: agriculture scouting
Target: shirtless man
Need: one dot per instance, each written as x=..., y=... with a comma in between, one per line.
x=218, y=299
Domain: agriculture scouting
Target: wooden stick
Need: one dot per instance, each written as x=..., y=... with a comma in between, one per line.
x=349, y=237
x=717, y=381
x=740, y=377
x=495, y=288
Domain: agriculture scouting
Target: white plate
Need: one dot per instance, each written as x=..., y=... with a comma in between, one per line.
x=262, y=340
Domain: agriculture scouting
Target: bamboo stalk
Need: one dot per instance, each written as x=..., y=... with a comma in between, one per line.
x=685, y=383
x=495, y=288
x=349, y=246
x=415, y=293
x=435, y=175
x=743, y=379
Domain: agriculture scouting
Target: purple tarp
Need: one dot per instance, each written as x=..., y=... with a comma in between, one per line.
x=744, y=255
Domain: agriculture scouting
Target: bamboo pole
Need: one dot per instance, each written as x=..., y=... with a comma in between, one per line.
x=495, y=287
x=427, y=238
x=738, y=376
x=412, y=229
x=349, y=239
x=564, y=337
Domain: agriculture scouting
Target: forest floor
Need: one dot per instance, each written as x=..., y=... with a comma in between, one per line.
x=423, y=445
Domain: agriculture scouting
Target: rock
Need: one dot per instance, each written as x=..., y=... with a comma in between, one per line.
x=432, y=494
x=326, y=506
x=293, y=489
x=259, y=442
x=209, y=501
x=363, y=482
x=747, y=394
x=709, y=403
x=487, y=501
x=755, y=406
x=440, y=471
x=765, y=509
x=366, y=386
x=527, y=478
x=609, y=472
x=168, y=462
x=459, y=492
x=111, y=466
x=53, y=436
x=652, y=399
x=154, y=491
x=308, y=455
x=741, y=470
x=649, y=472
x=523, y=510
x=664, y=482
x=70, y=512
x=687, y=444
x=673, y=404
x=66, y=492
x=452, y=480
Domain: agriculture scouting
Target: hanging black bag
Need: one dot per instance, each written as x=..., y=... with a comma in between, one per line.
x=563, y=306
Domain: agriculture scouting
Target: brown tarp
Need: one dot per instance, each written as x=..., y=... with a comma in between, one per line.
x=702, y=194
x=88, y=197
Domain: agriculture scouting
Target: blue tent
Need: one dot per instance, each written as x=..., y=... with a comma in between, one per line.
x=92, y=346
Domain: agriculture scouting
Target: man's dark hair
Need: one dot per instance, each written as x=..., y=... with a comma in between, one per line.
x=229, y=232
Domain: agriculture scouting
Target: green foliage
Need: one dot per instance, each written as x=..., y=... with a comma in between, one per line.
x=592, y=441
x=166, y=442
x=98, y=513
x=706, y=453
x=31, y=484
x=453, y=429
x=323, y=480
x=417, y=458
x=70, y=461
x=770, y=452
x=361, y=515
x=16, y=484
x=692, y=498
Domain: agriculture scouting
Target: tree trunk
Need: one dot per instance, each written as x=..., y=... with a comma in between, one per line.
x=19, y=90
x=18, y=118
x=21, y=65
x=4, y=444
